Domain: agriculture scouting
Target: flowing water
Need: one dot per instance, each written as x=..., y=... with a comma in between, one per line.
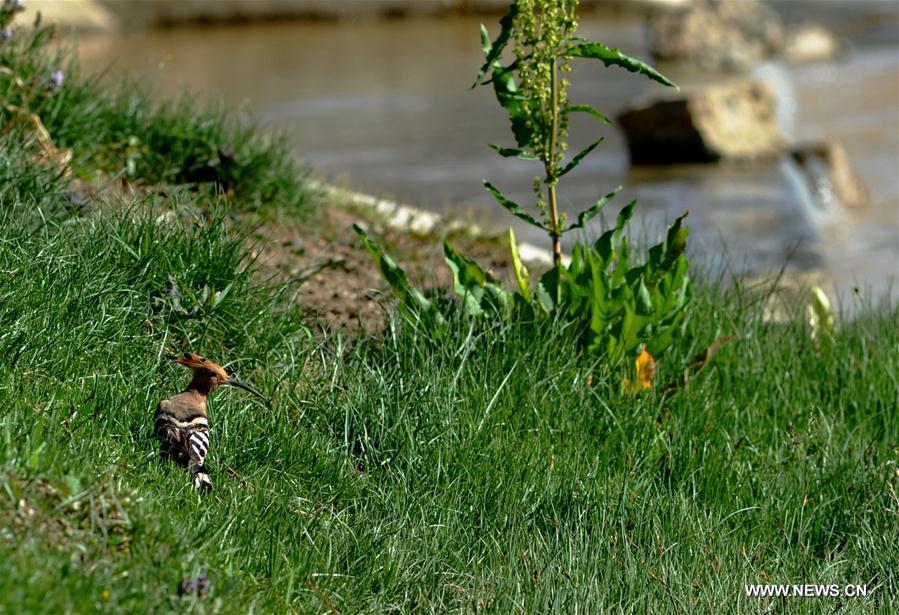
x=386, y=107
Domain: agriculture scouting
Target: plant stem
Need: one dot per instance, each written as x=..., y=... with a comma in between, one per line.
x=551, y=171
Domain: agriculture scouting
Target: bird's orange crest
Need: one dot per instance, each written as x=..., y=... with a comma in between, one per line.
x=195, y=361
x=209, y=374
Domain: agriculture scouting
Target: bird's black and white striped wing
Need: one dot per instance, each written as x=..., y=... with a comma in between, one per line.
x=198, y=444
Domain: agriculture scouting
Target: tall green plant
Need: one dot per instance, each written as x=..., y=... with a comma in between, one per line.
x=533, y=90
x=618, y=307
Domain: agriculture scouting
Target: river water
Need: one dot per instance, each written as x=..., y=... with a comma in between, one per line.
x=385, y=107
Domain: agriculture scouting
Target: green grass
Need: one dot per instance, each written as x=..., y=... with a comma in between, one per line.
x=500, y=471
x=115, y=130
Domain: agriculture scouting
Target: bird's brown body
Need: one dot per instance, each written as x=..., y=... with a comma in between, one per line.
x=181, y=422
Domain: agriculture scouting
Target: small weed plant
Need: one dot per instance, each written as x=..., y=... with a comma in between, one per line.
x=619, y=307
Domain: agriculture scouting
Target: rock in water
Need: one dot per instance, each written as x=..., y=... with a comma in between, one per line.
x=716, y=34
x=830, y=176
x=735, y=120
x=811, y=43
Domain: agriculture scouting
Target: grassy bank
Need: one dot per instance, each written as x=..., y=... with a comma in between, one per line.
x=499, y=471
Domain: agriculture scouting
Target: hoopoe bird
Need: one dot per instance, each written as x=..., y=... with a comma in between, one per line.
x=181, y=423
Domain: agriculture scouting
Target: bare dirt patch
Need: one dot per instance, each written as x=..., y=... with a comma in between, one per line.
x=337, y=280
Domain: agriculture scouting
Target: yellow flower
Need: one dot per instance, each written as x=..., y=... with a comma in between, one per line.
x=646, y=371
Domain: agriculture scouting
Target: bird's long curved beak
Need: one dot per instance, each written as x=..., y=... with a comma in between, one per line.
x=234, y=382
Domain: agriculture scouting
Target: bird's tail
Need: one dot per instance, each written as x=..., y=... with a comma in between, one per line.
x=200, y=478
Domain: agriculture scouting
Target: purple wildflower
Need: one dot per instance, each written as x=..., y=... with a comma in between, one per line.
x=198, y=587
x=6, y=34
x=202, y=584
x=187, y=587
x=57, y=78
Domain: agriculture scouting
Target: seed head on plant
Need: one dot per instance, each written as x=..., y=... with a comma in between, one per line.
x=533, y=90
x=539, y=29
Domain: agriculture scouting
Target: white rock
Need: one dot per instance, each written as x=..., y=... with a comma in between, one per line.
x=811, y=43
x=724, y=35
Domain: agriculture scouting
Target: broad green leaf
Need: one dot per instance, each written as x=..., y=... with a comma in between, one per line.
x=601, y=307
x=494, y=51
x=621, y=329
x=622, y=262
x=664, y=338
x=613, y=57
x=514, y=208
x=676, y=238
x=663, y=257
x=588, y=110
x=545, y=299
x=577, y=263
x=682, y=286
x=580, y=156
x=409, y=296
x=644, y=300
x=629, y=340
x=549, y=290
x=511, y=100
x=479, y=289
x=608, y=242
x=512, y=152
x=521, y=272
x=588, y=214
x=467, y=274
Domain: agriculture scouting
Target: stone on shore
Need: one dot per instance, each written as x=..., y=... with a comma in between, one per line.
x=84, y=15
x=811, y=43
x=734, y=120
x=639, y=7
x=716, y=35
x=831, y=179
